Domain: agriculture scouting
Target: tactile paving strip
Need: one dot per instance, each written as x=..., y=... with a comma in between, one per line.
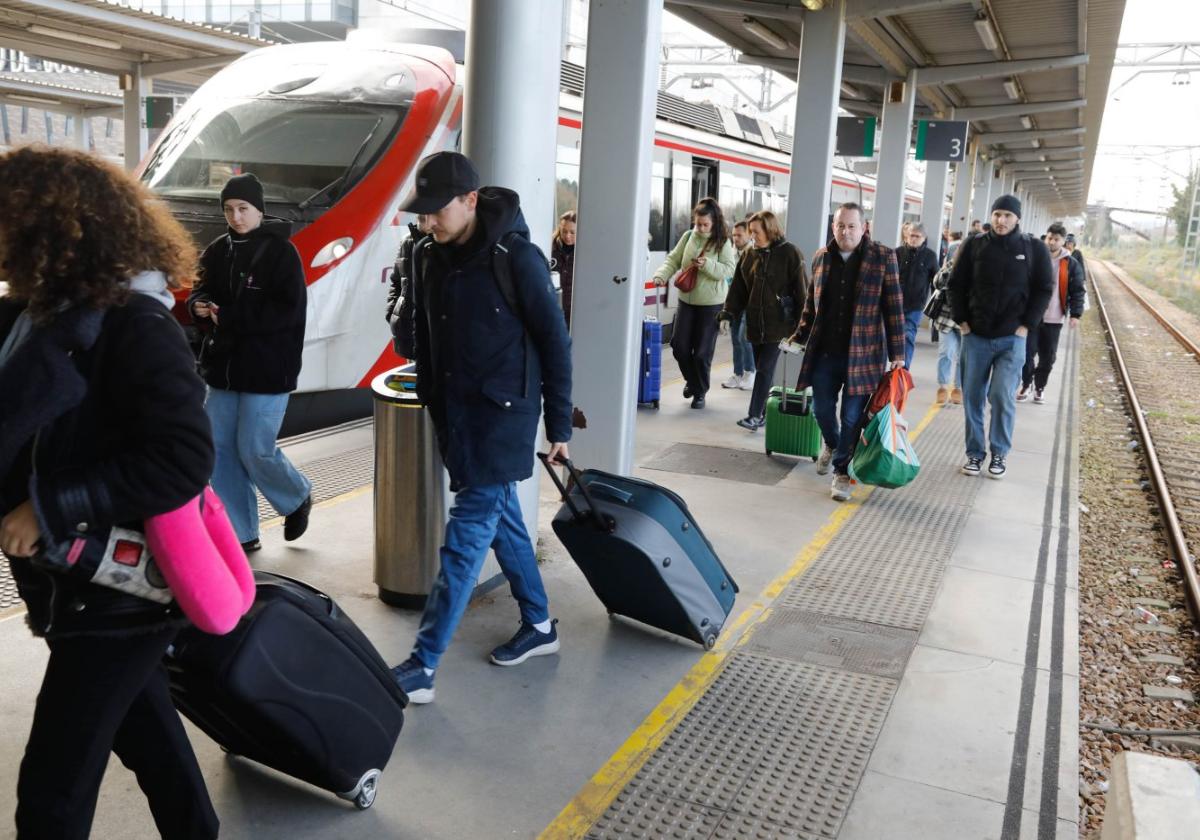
x=332, y=476
x=746, y=466
x=773, y=746
x=8, y=587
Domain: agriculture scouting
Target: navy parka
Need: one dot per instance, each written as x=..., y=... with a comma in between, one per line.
x=485, y=371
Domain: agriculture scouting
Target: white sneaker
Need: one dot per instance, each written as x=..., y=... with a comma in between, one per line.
x=734, y=381
x=840, y=490
x=747, y=381
x=824, y=462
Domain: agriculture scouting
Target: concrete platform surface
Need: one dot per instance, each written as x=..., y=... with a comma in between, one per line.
x=955, y=745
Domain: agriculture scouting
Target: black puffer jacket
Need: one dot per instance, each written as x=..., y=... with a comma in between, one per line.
x=258, y=283
x=399, y=302
x=917, y=269
x=1000, y=283
x=769, y=285
x=138, y=445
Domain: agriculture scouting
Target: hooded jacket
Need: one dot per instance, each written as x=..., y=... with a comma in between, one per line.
x=769, y=285
x=132, y=441
x=917, y=269
x=1000, y=283
x=257, y=281
x=485, y=371
x=399, y=301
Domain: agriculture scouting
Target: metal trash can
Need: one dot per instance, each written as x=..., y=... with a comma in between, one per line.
x=410, y=491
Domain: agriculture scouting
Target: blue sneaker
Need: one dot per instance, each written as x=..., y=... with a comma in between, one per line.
x=411, y=676
x=528, y=642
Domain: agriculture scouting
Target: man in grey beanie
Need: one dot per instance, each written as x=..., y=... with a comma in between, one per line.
x=1001, y=284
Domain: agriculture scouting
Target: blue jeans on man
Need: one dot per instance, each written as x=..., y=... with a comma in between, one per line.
x=829, y=374
x=948, y=350
x=991, y=371
x=743, y=350
x=245, y=427
x=482, y=517
x=912, y=324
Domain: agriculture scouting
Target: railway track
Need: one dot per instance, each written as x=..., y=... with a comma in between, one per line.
x=1159, y=367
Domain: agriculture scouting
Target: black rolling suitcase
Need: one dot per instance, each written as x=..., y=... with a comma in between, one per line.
x=643, y=553
x=295, y=686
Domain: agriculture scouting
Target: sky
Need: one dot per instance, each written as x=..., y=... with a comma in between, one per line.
x=1147, y=110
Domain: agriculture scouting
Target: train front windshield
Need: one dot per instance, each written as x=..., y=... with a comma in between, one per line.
x=305, y=152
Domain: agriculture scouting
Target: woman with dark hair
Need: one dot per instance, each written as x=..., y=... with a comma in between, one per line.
x=103, y=426
x=708, y=248
x=562, y=255
x=768, y=288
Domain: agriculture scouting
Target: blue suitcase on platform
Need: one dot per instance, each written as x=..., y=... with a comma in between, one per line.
x=650, y=378
x=643, y=554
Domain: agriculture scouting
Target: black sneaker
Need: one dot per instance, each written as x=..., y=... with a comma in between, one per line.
x=687, y=391
x=296, y=522
x=974, y=466
x=996, y=468
x=697, y=402
x=251, y=546
x=752, y=424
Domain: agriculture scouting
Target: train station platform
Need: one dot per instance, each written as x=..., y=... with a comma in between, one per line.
x=901, y=666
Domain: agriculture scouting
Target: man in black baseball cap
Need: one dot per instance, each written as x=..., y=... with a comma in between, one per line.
x=492, y=353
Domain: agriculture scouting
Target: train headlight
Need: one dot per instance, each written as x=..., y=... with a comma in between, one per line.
x=332, y=252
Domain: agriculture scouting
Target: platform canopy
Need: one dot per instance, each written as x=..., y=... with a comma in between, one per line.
x=1028, y=75
x=18, y=91
x=112, y=38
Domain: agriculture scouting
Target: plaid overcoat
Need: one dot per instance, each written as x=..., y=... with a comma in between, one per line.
x=877, y=326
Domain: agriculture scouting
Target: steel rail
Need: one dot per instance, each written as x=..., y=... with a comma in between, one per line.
x=1120, y=275
x=1175, y=537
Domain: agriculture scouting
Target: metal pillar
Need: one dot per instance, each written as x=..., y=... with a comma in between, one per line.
x=964, y=175
x=817, y=94
x=79, y=129
x=893, y=164
x=135, y=88
x=614, y=214
x=981, y=203
x=511, y=136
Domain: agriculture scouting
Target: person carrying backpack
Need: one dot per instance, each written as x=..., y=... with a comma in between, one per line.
x=399, y=302
x=491, y=351
x=999, y=289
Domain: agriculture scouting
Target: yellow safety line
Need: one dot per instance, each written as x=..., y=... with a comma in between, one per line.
x=597, y=794
x=330, y=502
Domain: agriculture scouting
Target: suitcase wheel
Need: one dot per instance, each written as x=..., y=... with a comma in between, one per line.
x=769, y=453
x=710, y=641
x=656, y=403
x=363, y=795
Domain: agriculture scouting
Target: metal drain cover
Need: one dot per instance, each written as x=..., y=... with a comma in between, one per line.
x=843, y=643
x=721, y=462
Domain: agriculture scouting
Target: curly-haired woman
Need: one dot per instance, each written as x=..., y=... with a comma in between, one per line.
x=102, y=425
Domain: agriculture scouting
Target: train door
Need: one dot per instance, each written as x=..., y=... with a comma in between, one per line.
x=705, y=178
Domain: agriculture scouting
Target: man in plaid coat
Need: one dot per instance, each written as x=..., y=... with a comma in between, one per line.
x=853, y=329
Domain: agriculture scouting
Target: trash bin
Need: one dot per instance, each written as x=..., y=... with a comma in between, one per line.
x=410, y=491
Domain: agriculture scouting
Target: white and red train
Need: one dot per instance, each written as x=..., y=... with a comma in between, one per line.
x=335, y=130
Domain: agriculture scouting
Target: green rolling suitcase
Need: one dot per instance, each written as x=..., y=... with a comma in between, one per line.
x=791, y=426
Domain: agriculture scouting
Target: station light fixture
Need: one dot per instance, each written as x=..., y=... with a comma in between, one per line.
x=813, y=5
x=763, y=33
x=1027, y=123
x=36, y=100
x=851, y=91
x=63, y=35
x=1010, y=88
x=987, y=32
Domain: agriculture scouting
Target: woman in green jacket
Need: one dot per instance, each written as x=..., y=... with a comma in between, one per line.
x=769, y=286
x=694, y=335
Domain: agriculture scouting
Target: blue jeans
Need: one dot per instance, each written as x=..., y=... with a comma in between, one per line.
x=244, y=428
x=743, y=350
x=912, y=323
x=828, y=379
x=948, y=346
x=991, y=371
x=480, y=518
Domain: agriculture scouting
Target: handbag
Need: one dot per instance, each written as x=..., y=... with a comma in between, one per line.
x=685, y=280
x=935, y=304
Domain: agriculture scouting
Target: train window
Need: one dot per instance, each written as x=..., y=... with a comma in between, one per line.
x=303, y=152
x=659, y=202
x=762, y=179
x=566, y=189
x=681, y=206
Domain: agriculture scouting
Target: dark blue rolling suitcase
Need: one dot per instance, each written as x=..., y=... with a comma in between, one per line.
x=643, y=554
x=650, y=368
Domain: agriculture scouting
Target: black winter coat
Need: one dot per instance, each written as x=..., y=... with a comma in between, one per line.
x=564, y=263
x=138, y=445
x=258, y=283
x=917, y=269
x=769, y=285
x=1000, y=283
x=483, y=370
x=400, y=318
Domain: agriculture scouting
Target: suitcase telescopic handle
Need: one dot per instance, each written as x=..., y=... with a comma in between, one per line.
x=603, y=523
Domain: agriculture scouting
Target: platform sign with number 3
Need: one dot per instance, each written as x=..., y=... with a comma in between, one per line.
x=942, y=140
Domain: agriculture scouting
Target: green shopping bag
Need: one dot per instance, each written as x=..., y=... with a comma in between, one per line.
x=884, y=456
